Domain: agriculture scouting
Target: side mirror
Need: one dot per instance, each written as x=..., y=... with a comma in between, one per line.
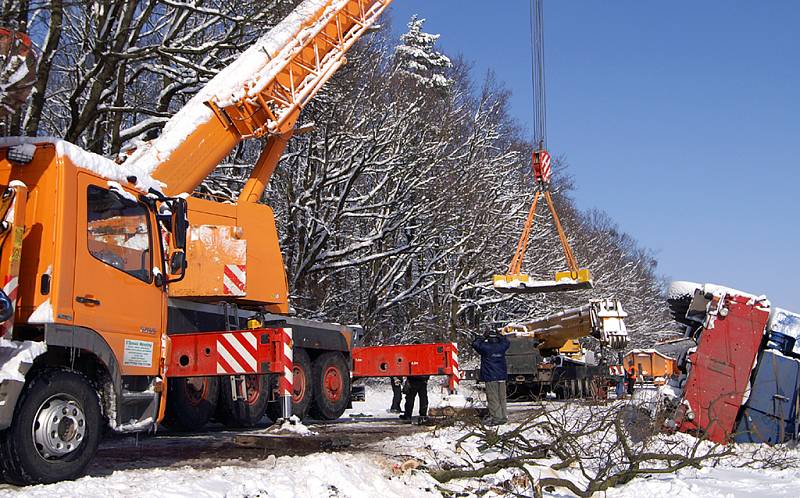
x=177, y=263
x=180, y=223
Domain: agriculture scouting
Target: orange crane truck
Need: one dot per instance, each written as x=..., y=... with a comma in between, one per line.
x=126, y=301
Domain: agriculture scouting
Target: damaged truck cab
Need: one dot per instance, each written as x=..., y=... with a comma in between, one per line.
x=742, y=380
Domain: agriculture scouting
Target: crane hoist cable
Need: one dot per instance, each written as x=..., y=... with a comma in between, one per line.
x=515, y=281
x=537, y=75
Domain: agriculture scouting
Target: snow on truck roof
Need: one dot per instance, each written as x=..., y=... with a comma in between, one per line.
x=89, y=161
x=684, y=288
x=252, y=70
x=785, y=322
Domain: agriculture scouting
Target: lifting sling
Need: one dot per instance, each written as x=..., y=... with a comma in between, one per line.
x=574, y=278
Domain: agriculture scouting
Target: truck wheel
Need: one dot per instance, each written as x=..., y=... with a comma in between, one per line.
x=55, y=430
x=249, y=411
x=331, y=383
x=191, y=401
x=301, y=387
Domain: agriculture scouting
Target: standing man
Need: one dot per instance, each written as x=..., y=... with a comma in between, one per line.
x=417, y=386
x=620, y=389
x=397, y=394
x=631, y=378
x=492, y=347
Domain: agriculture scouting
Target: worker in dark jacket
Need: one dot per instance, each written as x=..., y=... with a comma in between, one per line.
x=397, y=393
x=417, y=386
x=492, y=347
x=631, y=380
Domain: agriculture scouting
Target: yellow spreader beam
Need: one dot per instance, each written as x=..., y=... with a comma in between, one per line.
x=522, y=283
x=517, y=282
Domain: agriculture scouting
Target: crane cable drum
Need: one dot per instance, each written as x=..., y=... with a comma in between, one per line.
x=574, y=278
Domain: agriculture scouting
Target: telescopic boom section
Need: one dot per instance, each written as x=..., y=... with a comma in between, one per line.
x=603, y=319
x=260, y=94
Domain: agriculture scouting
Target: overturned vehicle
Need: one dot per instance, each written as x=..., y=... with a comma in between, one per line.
x=742, y=380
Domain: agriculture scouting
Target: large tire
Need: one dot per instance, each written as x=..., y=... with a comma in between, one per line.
x=302, y=390
x=55, y=430
x=191, y=401
x=247, y=412
x=331, y=383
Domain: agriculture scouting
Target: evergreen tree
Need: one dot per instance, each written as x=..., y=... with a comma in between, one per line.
x=417, y=57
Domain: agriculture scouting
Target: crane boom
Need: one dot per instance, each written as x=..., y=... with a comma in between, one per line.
x=259, y=94
x=601, y=318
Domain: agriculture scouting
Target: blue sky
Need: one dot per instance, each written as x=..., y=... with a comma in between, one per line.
x=680, y=119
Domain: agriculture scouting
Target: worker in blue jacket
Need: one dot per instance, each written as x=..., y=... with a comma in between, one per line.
x=492, y=347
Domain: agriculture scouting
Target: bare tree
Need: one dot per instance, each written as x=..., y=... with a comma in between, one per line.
x=115, y=70
x=592, y=449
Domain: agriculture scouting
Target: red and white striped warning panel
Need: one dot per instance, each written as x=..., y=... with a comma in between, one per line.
x=616, y=370
x=235, y=280
x=547, y=171
x=236, y=353
x=542, y=168
x=455, y=377
x=286, y=381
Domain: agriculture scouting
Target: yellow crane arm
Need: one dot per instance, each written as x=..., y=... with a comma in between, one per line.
x=259, y=94
x=603, y=319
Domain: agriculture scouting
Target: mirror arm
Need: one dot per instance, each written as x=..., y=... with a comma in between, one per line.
x=162, y=251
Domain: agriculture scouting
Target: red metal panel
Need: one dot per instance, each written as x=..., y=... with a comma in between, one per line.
x=721, y=368
x=226, y=353
x=404, y=360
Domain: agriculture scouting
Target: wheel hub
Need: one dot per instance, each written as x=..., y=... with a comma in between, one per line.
x=253, y=386
x=196, y=390
x=333, y=384
x=59, y=427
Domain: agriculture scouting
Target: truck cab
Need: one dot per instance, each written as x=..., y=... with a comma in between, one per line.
x=89, y=324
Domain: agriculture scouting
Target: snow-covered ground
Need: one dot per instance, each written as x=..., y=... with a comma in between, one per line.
x=394, y=463
x=324, y=474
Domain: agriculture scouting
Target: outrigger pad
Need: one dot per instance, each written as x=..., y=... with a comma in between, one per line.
x=541, y=286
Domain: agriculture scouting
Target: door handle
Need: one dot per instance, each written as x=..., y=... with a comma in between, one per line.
x=88, y=300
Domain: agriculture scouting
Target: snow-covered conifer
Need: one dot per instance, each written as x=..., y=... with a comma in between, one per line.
x=416, y=56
